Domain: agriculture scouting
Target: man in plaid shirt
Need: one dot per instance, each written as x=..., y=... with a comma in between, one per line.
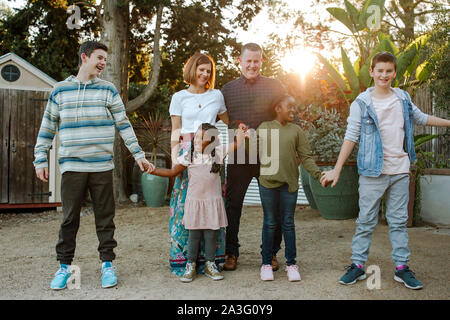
x=248, y=99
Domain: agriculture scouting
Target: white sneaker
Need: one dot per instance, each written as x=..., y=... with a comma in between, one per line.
x=292, y=273
x=266, y=272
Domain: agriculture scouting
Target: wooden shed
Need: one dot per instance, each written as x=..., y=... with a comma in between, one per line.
x=24, y=90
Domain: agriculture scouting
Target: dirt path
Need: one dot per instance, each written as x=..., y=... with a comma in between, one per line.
x=27, y=260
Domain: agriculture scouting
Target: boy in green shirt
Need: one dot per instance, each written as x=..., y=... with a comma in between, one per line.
x=280, y=142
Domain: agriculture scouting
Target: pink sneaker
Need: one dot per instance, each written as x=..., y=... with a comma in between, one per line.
x=266, y=272
x=292, y=273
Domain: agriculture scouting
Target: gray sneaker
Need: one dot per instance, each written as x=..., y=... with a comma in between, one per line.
x=406, y=276
x=189, y=272
x=353, y=274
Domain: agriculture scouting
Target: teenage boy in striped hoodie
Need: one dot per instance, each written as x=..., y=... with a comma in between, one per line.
x=85, y=111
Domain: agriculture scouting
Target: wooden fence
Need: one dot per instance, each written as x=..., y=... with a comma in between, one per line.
x=440, y=146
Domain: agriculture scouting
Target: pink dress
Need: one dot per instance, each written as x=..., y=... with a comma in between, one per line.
x=204, y=207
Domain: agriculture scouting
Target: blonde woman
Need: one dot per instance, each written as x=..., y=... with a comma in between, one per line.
x=189, y=108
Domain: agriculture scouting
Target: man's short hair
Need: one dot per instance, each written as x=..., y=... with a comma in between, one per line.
x=252, y=47
x=383, y=57
x=191, y=65
x=88, y=47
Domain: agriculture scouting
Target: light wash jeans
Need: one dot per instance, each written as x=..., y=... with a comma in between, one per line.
x=371, y=190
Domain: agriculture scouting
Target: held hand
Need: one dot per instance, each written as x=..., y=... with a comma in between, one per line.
x=42, y=174
x=243, y=126
x=150, y=168
x=143, y=164
x=329, y=177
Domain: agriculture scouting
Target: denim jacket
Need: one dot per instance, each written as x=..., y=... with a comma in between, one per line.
x=363, y=128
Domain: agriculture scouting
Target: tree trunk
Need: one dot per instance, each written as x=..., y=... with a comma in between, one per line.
x=155, y=68
x=115, y=30
x=115, y=23
x=408, y=19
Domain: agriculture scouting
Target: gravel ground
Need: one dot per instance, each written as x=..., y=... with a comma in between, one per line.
x=27, y=262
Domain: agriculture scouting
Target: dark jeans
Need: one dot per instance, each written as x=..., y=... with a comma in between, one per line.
x=278, y=205
x=73, y=189
x=239, y=177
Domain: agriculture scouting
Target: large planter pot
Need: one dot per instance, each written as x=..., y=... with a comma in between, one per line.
x=341, y=201
x=136, y=175
x=307, y=188
x=435, y=186
x=154, y=189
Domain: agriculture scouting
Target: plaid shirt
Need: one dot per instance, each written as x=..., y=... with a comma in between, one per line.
x=249, y=101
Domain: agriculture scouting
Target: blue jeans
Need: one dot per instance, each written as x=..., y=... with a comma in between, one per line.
x=371, y=190
x=278, y=206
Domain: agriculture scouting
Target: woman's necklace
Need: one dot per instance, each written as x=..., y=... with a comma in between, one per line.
x=191, y=90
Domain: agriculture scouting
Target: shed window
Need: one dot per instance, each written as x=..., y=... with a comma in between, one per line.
x=10, y=73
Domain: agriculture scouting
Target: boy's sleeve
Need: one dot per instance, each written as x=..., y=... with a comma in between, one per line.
x=47, y=132
x=123, y=125
x=353, y=123
x=420, y=118
x=304, y=153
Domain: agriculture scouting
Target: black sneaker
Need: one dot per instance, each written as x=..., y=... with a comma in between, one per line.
x=353, y=274
x=406, y=276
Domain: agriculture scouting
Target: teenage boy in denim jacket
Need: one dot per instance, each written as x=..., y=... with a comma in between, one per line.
x=381, y=121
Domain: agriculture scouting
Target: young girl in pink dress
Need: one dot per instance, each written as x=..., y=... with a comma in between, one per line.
x=204, y=210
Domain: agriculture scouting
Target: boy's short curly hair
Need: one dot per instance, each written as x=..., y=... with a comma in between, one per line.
x=383, y=57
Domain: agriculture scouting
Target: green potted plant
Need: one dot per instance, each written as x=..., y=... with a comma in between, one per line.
x=156, y=137
x=326, y=135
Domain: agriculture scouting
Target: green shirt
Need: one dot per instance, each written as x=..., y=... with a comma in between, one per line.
x=279, y=146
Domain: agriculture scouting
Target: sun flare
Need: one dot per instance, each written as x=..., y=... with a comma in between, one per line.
x=299, y=60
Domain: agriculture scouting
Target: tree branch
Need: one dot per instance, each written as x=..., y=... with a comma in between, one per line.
x=134, y=104
x=429, y=11
x=393, y=19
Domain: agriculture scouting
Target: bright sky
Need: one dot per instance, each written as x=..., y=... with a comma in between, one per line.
x=300, y=60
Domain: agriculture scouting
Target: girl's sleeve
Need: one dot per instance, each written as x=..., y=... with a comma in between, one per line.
x=175, y=108
x=304, y=153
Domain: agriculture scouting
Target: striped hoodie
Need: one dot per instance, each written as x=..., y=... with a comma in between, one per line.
x=84, y=115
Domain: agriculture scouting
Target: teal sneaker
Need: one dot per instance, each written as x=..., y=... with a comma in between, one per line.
x=59, y=282
x=406, y=276
x=109, y=278
x=353, y=274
